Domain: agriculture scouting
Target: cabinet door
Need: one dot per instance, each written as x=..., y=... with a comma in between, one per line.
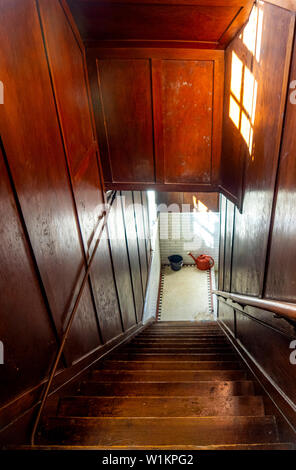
x=187, y=115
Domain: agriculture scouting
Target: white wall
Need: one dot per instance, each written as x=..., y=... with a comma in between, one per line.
x=151, y=299
x=197, y=232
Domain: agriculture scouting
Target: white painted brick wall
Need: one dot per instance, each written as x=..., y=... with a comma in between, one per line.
x=197, y=232
x=153, y=279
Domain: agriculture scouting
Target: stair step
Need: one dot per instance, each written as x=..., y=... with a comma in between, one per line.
x=266, y=446
x=183, y=328
x=165, y=375
x=169, y=365
x=185, y=349
x=202, y=334
x=175, y=357
x=185, y=323
x=159, y=431
x=193, y=336
x=182, y=333
x=177, y=342
x=213, y=389
x=161, y=407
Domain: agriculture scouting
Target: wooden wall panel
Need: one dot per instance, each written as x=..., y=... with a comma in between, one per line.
x=203, y=23
x=105, y=291
x=126, y=103
x=230, y=222
x=227, y=315
x=281, y=275
x=146, y=226
x=222, y=242
x=133, y=250
x=141, y=237
x=252, y=225
x=67, y=66
x=36, y=158
x=187, y=110
x=25, y=326
x=162, y=130
x=121, y=264
x=270, y=349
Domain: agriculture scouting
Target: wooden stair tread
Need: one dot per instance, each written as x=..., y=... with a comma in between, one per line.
x=165, y=375
x=161, y=407
x=168, y=365
x=265, y=446
x=175, y=357
x=160, y=431
x=176, y=342
x=192, y=349
x=185, y=323
x=211, y=388
x=173, y=386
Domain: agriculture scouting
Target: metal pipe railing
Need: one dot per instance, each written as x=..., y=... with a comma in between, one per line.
x=283, y=309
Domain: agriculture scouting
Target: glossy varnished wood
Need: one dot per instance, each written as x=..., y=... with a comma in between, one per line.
x=252, y=226
x=206, y=24
x=164, y=406
x=121, y=265
x=20, y=312
x=227, y=364
x=160, y=431
x=67, y=66
x=280, y=282
x=165, y=376
x=126, y=107
x=187, y=97
x=37, y=161
x=173, y=136
x=133, y=250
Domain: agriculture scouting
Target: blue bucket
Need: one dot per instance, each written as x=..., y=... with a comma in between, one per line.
x=176, y=262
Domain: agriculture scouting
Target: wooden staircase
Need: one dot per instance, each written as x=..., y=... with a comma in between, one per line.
x=176, y=385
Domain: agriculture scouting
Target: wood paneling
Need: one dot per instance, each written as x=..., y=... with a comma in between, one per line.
x=187, y=102
x=164, y=128
x=146, y=226
x=141, y=237
x=230, y=221
x=121, y=264
x=126, y=103
x=260, y=342
x=133, y=250
x=227, y=315
x=222, y=242
x=36, y=158
x=66, y=60
x=211, y=24
x=104, y=290
x=25, y=326
x=252, y=226
x=281, y=277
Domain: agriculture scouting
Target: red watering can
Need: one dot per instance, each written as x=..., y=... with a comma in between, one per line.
x=203, y=262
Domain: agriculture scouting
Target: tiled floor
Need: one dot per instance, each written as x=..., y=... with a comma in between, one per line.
x=184, y=295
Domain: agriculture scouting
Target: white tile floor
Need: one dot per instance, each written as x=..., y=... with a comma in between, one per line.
x=184, y=295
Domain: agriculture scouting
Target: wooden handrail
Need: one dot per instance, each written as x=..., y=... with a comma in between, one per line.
x=69, y=324
x=283, y=309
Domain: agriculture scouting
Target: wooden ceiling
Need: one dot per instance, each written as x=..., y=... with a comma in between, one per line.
x=207, y=24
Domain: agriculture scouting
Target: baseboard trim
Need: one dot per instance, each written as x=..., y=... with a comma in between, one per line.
x=18, y=413
x=283, y=404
